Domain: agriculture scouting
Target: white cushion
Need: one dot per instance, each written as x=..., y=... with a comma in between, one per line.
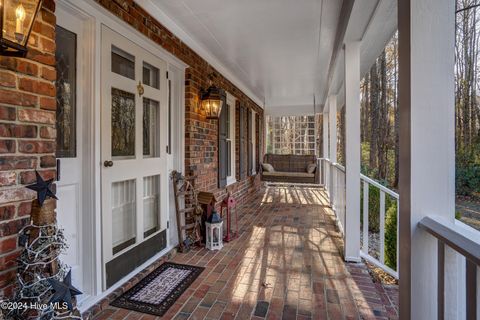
x=267, y=167
x=311, y=167
x=289, y=174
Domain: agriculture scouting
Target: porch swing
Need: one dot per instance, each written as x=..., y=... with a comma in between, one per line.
x=291, y=168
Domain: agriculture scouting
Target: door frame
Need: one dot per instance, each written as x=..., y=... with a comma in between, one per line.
x=94, y=16
x=85, y=73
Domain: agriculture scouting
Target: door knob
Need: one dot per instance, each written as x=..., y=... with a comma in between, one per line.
x=108, y=163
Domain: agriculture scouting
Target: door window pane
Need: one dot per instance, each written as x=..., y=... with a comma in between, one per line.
x=66, y=57
x=151, y=132
x=151, y=75
x=123, y=215
x=123, y=124
x=151, y=205
x=123, y=63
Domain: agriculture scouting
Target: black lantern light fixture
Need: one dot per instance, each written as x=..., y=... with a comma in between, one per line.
x=16, y=21
x=211, y=101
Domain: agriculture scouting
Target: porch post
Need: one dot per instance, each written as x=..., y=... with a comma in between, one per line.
x=427, y=145
x=332, y=126
x=332, y=147
x=325, y=134
x=352, y=151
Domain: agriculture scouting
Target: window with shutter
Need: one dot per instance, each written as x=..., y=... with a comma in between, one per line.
x=222, y=145
x=249, y=143
x=257, y=141
x=226, y=142
x=242, y=142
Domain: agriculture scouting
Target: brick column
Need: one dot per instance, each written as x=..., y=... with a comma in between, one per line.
x=27, y=135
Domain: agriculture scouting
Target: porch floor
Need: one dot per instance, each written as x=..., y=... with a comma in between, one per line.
x=286, y=264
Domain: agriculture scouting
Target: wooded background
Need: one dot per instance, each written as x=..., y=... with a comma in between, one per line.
x=467, y=119
x=379, y=108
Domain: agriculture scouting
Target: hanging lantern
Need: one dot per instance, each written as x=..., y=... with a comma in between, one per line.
x=16, y=20
x=212, y=102
x=214, y=226
x=229, y=204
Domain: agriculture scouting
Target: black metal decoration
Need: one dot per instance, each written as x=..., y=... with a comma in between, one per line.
x=16, y=23
x=42, y=188
x=63, y=290
x=23, y=240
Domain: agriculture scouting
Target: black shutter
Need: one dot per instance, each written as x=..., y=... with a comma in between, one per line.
x=222, y=145
x=257, y=142
x=242, y=142
x=250, y=142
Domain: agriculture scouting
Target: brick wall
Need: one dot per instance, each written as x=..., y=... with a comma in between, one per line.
x=27, y=134
x=200, y=134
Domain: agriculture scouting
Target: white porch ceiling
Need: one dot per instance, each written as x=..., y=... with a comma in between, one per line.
x=280, y=50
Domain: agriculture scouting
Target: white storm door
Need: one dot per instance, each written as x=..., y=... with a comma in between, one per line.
x=133, y=148
x=69, y=39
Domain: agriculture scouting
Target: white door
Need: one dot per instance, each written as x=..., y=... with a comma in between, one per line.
x=70, y=107
x=133, y=146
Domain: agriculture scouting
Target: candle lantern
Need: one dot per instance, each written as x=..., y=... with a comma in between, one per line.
x=229, y=205
x=16, y=20
x=207, y=201
x=214, y=226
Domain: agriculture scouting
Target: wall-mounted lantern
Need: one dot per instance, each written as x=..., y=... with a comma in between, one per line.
x=16, y=20
x=211, y=101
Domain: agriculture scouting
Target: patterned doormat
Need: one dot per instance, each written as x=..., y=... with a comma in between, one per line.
x=158, y=291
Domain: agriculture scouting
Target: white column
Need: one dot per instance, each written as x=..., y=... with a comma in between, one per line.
x=352, y=154
x=332, y=126
x=332, y=147
x=325, y=134
x=427, y=146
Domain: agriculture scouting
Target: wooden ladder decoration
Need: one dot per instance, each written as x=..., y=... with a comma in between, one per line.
x=191, y=213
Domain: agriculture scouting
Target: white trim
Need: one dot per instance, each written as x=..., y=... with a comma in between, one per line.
x=87, y=108
x=203, y=52
x=177, y=157
x=231, y=180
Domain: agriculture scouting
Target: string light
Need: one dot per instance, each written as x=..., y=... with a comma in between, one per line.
x=34, y=287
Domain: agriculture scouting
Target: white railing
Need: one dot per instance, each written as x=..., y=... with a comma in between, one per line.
x=376, y=256
x=332, y=177
x=466, y=242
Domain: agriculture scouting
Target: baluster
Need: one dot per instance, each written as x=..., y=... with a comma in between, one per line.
x=382, y=227
x=471, y=286
x=398, y=234
x=440, y=280
x=366, y=187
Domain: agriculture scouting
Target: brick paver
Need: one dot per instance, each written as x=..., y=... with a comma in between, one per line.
x=286, y=264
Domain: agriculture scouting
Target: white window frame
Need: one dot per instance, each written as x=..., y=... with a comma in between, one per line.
x=231, y=101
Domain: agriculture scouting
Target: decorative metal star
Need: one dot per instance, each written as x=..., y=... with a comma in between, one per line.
x=64, y=291
x=23, y=240
x=42, y=188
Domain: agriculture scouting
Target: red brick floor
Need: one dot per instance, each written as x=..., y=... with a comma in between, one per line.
x=286, y=264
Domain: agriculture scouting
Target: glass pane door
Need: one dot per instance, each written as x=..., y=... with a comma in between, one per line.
x=134, y=162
